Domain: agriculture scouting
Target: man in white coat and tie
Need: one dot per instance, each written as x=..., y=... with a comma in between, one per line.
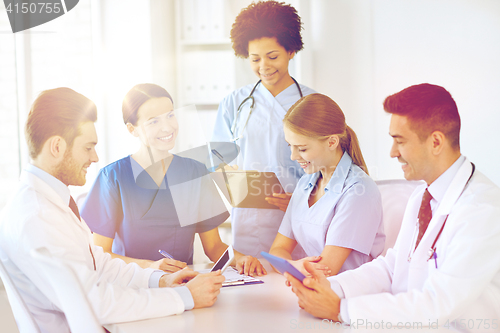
x=445, y=266
x=42, y=214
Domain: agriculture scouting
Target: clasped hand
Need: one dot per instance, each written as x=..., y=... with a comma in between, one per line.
x=299, y=264
x=315, y=294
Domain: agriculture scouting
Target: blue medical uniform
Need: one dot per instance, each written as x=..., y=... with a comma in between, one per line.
x=263, y=148
x=348, y=215
x=124, y=203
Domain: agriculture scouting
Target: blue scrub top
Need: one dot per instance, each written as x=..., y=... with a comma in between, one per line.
x=144, y=218
x=348, y=215
x=263, y=148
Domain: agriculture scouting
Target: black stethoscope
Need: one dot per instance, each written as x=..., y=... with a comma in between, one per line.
x=432, y=251
x=252, y=100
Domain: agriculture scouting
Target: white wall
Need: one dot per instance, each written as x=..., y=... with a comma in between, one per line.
x=363, y=51
x=356, y=51
x=123, y=59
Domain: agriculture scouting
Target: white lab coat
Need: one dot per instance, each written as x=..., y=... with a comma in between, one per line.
x=263, y=148
x=37, y=217
x=466, y=283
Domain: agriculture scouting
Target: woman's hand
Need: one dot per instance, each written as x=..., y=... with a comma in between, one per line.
x=168, y=265
x=320, y=268
x=249, y=265
x=281, y=200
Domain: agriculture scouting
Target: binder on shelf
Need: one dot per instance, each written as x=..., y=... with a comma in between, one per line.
x=216, y=25
x=204, y=84
x=202, y=21
x=187, y=8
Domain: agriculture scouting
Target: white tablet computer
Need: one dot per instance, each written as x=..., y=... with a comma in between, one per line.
x=225, y=260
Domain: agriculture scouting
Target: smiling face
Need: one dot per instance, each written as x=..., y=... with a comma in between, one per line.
x=312, y=154
x=157, y=126
x=415, y=155
x=72, y=170
x=269, y=61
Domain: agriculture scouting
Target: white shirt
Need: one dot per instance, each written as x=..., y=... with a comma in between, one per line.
x=461, y=284
x=38, y=217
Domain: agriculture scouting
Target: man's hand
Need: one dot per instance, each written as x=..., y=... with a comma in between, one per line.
x=249, y=265
x=315, y=295
x=168, y=265
x=205, y=287
x=319, y=268
x=281, y=200
x=178, y=278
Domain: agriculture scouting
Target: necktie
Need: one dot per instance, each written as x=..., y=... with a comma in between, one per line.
x=74, y=208
x=424, y=215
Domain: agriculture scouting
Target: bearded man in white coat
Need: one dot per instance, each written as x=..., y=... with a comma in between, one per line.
x=61, y=138
x=444, y=269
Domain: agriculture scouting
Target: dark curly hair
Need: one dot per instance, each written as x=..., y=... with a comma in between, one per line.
x=267, y=19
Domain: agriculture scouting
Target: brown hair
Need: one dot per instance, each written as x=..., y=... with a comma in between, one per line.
x=137, y=96
x=267, y=19
x=59, y=111
x=318, y=116
x=429, y=108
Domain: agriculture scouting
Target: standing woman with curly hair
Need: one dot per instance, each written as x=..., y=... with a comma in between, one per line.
x=268, y=34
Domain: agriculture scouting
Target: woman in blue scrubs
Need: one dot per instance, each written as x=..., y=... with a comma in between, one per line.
x=268, y=34
x=335, y=211
x=153, y=200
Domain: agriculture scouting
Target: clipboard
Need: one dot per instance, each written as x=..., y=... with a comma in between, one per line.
x=248, y=189
x=233, y=278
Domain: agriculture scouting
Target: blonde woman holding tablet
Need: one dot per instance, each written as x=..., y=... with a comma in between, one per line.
x=335, y=213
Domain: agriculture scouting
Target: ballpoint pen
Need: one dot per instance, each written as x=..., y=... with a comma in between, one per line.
x=166, y=254
x=219, y=156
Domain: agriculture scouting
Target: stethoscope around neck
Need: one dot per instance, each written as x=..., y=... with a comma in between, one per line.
x=252, y=105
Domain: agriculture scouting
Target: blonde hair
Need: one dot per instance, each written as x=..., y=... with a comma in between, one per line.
x=318, y=116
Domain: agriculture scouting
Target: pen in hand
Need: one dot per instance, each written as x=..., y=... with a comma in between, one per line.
x=166, y=254
x=170, y=266
x=224, y=163
x=219, y=156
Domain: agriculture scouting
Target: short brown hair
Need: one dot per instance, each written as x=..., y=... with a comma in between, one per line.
x=267, y=19
x=137, y=96
x=428, y=108
x=319, y=117
x=59, y=111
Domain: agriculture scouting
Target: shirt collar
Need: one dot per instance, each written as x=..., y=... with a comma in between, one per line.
x=339, y=175
x=438, y=187
x=59, y=187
